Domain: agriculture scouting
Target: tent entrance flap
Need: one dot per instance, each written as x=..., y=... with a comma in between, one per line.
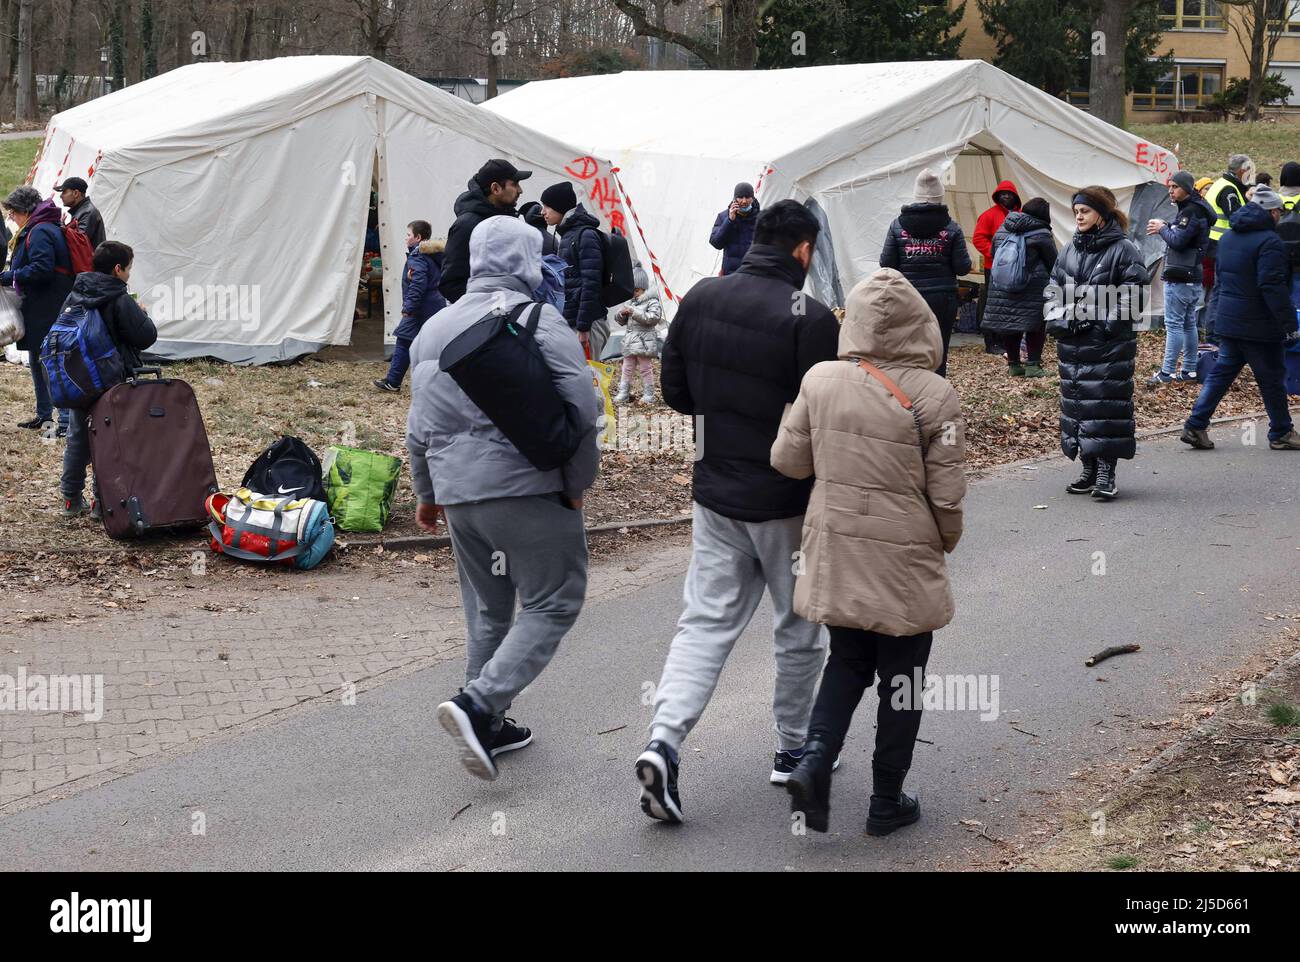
x=968, y=188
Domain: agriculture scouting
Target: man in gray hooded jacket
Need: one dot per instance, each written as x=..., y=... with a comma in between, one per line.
x=517, y=532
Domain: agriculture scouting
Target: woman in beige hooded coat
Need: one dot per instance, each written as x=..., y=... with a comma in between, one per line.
x=884, y=437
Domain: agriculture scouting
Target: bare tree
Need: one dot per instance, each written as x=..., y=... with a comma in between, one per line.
x=1257, y=25
x=25, y=104
x=1107, y=86
x=737, y=44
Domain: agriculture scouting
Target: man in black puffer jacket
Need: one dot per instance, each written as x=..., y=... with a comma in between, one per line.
x=492, y=192
x=104, y=290
x=929, y=249
x=583, y=249
x=1093, y=301
x=735, y=356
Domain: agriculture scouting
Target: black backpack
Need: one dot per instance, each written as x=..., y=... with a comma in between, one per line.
x=616, y=269
x=499, y=366
x=287, y=467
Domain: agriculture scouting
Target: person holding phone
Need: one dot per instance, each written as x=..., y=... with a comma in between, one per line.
x=733, y=229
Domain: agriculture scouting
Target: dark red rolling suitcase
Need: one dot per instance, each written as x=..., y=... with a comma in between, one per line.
x=153, y=466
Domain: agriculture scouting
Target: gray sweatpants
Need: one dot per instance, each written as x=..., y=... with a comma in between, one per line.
x=530, y=549
x=731, y=563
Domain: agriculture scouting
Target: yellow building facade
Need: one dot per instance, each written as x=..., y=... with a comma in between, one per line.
x=1206, y=56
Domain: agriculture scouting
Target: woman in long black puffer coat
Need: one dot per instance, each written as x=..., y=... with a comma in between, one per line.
x=1015, y=314
x=1094, y=300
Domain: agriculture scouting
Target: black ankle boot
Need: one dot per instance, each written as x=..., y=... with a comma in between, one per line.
x=1086, y=480
x=891, y=807
x=810, y=786
x=1105, y=489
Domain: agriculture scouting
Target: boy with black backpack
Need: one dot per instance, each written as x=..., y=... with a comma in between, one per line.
x=103, y=290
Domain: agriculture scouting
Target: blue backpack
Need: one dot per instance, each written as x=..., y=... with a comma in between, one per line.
x=80, y=359
x=1008, y=271
x=551, y=290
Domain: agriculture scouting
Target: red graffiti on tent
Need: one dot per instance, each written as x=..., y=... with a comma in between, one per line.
x=604, y=194
x=587, y=168
x=90, y=171
x=617, y=222
x=1155, y=159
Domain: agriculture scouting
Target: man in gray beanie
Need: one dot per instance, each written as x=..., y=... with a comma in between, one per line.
x=928, y=247
x=1255, y=321
x=1187, y=238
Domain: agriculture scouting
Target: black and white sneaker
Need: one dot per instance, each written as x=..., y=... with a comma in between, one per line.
x=472, y=731
x=784, y=764
x=510, y=738
x=656, y=770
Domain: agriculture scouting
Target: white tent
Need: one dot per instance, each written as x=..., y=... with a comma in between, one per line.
x=848, y=141
x=244, y=188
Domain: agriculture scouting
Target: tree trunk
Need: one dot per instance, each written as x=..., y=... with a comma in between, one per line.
x=1258, y=64
x=493, y=61
x=739, y=44
x=117, y=46
x=149, y=60
x=246, y=49
x=1106, y=84
x=25, y=102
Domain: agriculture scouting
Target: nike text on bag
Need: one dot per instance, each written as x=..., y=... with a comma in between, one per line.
x=360, y=486
x=294, y=532
x=288, y=467
x=616, y=270
x=500, y=367
x=80, y=359
x=1008, y=271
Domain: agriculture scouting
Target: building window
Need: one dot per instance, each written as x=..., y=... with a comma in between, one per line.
x=1284, y=10
x=1187, y=87
x=1192, y=14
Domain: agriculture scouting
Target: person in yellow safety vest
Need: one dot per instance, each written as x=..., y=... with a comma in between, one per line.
x=1226, y=195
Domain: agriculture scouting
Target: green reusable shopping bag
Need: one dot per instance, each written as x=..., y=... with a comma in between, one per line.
x=360, y=487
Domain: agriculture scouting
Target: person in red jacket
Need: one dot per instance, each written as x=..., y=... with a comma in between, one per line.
x=1005, y=200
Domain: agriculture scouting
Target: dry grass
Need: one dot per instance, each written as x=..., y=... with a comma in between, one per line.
x=1204, y=148
x=1228, y=799
x=331, y=402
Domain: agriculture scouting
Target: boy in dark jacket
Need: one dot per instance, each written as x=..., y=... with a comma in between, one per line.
x=1255, y=320
x=928, y=248
x=1187, y=240
x=103, y=289
x=420, y=298
x=733, y=229
x=735, y=356
x=582, y=249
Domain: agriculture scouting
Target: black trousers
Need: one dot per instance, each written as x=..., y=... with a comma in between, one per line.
x=945, y=311
x=857, y=658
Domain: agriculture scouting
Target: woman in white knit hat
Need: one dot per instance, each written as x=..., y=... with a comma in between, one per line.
x=927, y=247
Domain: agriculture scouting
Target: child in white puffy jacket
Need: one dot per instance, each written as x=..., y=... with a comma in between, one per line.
x=641, y=317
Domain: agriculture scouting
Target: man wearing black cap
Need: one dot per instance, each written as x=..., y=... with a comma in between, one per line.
x=733, y=229
x=493, y=191
x=73, y=194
